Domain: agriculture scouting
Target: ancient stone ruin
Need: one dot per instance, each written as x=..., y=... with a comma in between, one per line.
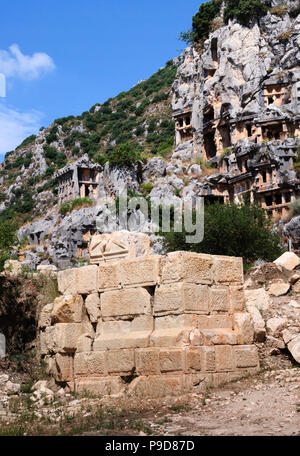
x=80, y=179
x=150, y=326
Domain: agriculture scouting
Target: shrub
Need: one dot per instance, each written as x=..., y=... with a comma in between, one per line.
x=147, y=187
x=234, y=231
x=124, y=156
x=52, y=135
x=7, y=240
x=244, y=10
x=202, y=21
x=295, y=208
x=27, y=141
x=65, y=208
x=285, y=36
x=295, y=10
x=279, y=10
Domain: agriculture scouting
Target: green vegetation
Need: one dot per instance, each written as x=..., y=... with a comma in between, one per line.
x=77, y=203
x=279, y=10
x=244, y=10
x=125, y=155
x=295, y=208
x=232, y=230
x=208, y=18
x=27, y=141
x=7, y=239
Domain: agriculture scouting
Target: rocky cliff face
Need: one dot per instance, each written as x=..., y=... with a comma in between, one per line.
x=236, y=105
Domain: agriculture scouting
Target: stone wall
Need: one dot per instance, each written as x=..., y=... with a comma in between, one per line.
x=151, y=327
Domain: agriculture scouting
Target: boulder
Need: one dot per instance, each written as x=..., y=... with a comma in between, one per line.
x=279, y=289
x=294, y=348
x=275, y=325
x=12, y=267
x=288, y=260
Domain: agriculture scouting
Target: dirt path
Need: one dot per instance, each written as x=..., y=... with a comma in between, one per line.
x=266, y=405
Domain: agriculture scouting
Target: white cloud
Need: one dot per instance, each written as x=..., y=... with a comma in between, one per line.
x=15, y=126
x=14, y=63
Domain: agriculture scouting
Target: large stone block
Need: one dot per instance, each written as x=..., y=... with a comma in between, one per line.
x=67, y=282
x=147, y=361
x=140, y=272
x=187, y=266
x=237, y=299
x=66, y=336
x=105, y=386
x=224, y=358
x=157, y=386
x=87, y=280
x=129, y=302
x=228, y=269
x=171, y=360
x=92, y=304
x=246, y=356
x=208, y=359
x=220, y=321
x=243, y=325
x=117, y=334
x=92, y=363
x=178, y=298
x=173, y=330
x=109, y=277
x=67, y=309
x=84, y=343
x=120, y=362
x=219, y=299
x=194, y=359
x=63, y=371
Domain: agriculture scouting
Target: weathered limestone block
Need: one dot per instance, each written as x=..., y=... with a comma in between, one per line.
x=105, y=386
x=48, y=270
x=279, y=289
x=84, y=343
x=67, y=309
x=66, y=336
x=224, y=358
x=63, y=370
x=67, y=282
x=288, y=260
x=187, y=266
x=129, y=302
x=246, y=356
x=171, y=360
x=109, y=277
x=237, y=299
x=173, y=330
x=90, y=363
x=219, y=299
x=194, y=359
x=208, y=359
x=177, y=298
x=87, y=280
x=220, y=379
x=47, y=343
x=216, y=336
x=140, y=272
x=228, y=270
x=156, y=386
x=82, y=280
x=220, y=321
x=147, y=361
x=124, y=334
x=294, y=348
x=244, y=326
x=120, y=362
x=92, y=304
x=13, y=267
x=45, y=316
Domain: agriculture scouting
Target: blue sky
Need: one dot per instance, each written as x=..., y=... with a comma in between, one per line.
x=62, y=57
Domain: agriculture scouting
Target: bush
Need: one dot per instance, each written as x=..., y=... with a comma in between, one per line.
x=52, y=135
x=295, y=208
x=7, y=239
x=65, y=208
x=279, y=10
x=27, y=141
x=244, y=10
x=295, y=10
x=77, y=203
x=202, y=21
x=232, y=230
x=124, y=156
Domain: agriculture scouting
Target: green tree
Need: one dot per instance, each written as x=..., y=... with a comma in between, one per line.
x=244, y=10
x=125, y=155
x=202, y=20
x=7, y=239
x=232, y=230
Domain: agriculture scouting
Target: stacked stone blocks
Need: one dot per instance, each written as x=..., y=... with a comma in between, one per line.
x=151, y=327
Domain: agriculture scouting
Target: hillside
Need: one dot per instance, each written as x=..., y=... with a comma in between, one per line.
x=141, y=117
